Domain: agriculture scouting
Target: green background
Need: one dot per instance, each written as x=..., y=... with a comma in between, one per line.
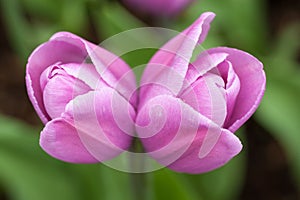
x=267, y=168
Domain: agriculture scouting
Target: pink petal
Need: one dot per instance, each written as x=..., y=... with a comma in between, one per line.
x=96, y=125
x=61, y=140
x=112, y=69
x=169, y=65
x=177, y=136
x=207, y=96
x=44, y=56
x=106, y=117
x=59, y=91
x=224, y=149
x=232, y=87
x=252, y=85
x=64, y=47
x=85, y=73
x=204, y=63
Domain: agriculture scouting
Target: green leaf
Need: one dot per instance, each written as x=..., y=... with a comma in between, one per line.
x=112, y=18
x=74, y=16
x=17, y=27
x=238, y=23
x=46, y=9
x=288, y=42
x=116, y=184
x=27, y=172
x=279, y=112
x=170, y=185
x=98, y=181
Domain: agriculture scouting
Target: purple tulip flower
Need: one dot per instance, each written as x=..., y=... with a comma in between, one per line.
x=74, y=99
x=185, y=114
x=158, y=8
x=188, y=111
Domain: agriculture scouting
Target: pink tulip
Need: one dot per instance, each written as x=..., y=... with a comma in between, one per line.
x=74, y=98
x=159, y=8
x=188, y=112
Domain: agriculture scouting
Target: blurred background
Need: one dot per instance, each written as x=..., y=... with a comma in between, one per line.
x=267, y=168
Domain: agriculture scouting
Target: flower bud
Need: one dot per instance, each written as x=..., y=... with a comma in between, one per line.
x=189, y=111
x=84, y=95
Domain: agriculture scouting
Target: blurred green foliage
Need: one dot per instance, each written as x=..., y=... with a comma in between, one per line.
x=27, y=173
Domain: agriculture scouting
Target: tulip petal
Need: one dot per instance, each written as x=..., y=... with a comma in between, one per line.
x=64, y=47
x=116, y=65
x=112, y=69
x=224, y=148
x=204, y=63
x=59, y=91
x=44, y=56
x=85, y=73
x=168, y=67
x=232, y=86
x=252, y=85
x=207, y=96
x=179, y=137
x=61, y=140
x=105, y=116
x=95, y=125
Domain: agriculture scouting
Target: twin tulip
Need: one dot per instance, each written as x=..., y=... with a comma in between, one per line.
x=185, y=113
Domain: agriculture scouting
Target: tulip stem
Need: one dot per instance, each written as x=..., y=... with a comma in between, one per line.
x=139, y=180
x=139, y=186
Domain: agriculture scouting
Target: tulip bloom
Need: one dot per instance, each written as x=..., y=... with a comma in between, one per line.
x=163, y=8
x=188, y=112
x=185, y=114
x=73, y=97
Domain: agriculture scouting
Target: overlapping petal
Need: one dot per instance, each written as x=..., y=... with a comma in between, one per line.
x=186, y=114
x=207, y=96
x=168, y=67
x=92, y=126
x=63, y=48
x=44, y=56
x=61, y=140
x=181, y=138
x=189, y=112
x=252, y=84
x=112, y=69
x=59, y=91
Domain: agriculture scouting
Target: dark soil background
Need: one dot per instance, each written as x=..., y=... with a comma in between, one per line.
x=268, y=174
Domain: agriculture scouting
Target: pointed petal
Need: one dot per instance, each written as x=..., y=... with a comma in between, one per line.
x=169, y=65
x=252, y=84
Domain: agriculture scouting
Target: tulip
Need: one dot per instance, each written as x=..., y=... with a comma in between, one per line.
x=73, y=85
x=188, y=112
x=158, y=8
